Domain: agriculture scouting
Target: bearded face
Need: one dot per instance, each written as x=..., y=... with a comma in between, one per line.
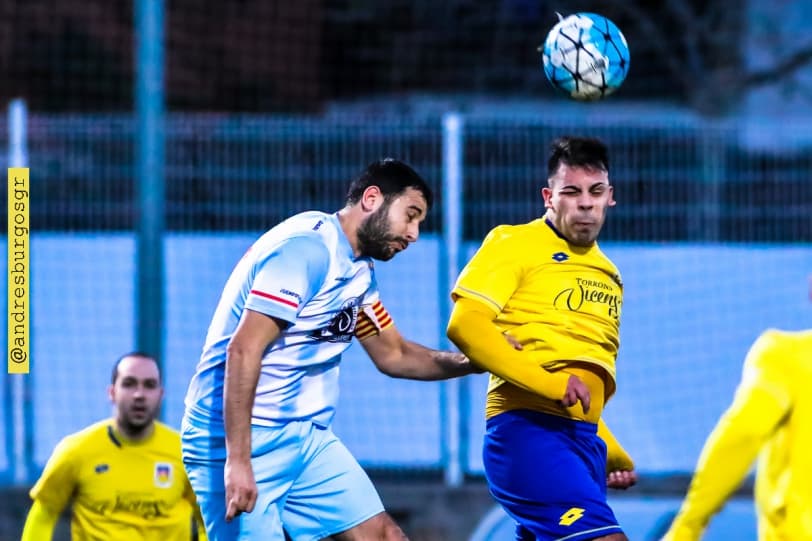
x=375, y=235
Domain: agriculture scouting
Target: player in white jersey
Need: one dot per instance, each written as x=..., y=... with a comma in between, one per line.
x=257, y=442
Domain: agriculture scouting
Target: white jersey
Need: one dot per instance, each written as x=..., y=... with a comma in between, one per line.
x=303, y=272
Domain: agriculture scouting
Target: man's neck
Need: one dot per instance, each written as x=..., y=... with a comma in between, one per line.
x=350, y=220
x=136, y=436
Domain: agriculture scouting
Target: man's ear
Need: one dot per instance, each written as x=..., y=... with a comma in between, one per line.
x=371, y=199
x=612, y=201
x=547, y=196
x=111, y=393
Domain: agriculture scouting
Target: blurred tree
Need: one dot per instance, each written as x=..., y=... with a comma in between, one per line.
x=704, y=46
x=274, y=55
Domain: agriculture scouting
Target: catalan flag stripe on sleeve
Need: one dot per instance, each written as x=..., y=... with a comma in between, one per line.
x=372, y=321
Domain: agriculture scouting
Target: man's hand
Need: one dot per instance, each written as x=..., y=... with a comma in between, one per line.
x=472, y=368
x=621, y=479
x=241, y=488
x=576, y=391
x=513, y=342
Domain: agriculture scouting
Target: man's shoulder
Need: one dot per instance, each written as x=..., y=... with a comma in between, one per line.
x=514, y=233
x=84, y=440
x=789, y=342
x=166, y=432
x=600, y=255
x=306, y=227
x=97, y=430
x=309, y=220
x=166, y=437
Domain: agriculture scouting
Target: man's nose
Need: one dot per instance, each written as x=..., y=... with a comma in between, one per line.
x=413, y=232
x=585, y=202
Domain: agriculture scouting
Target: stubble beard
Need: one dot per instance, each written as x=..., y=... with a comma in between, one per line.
x=373, y=235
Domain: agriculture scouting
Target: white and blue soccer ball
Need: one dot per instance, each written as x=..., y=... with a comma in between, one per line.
x=585, y=56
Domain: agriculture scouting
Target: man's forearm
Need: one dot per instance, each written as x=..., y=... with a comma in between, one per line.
x=724, y=463
x=616, y=456
x=422, y=363
x=242, y=374
x=40, y=524
x=481, y=341
x=728, y=454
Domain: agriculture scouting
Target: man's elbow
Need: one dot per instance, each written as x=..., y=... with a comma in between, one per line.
x=237, y=350
x=392, y=372
x=394, y=362
x=746, y=430
x=455, y=329
x=391, y=368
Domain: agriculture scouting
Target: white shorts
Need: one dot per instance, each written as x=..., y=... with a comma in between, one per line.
x=308, y=483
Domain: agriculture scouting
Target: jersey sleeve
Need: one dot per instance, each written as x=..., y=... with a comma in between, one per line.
x=761, y=401
x=493, y=274
x=56, y=485
x=288, y=277
x=373, y=317
x=373, y=320
x=766, y=370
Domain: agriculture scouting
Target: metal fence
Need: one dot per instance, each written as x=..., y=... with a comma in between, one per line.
x=679, y=181
x=676, y=180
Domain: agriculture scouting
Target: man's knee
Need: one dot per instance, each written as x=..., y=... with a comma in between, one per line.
x=612, y=537
x=381, y=527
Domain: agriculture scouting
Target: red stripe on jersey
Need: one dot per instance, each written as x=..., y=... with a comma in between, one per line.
x=274, y=298
x=385, y=322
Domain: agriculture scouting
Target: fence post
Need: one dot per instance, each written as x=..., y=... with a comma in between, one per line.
x=19, y=409
x=149, y=178
x=452, y=396
x=713, y=172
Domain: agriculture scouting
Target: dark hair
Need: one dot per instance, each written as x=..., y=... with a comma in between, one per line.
x=579, y=152
x=140, y=354
x=392, y=177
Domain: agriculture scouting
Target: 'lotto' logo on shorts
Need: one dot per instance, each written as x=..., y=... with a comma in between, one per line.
x=568, y=518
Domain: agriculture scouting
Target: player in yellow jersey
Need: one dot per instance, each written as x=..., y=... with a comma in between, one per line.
x=124, y=476
x=547, y=286
x=770, y=419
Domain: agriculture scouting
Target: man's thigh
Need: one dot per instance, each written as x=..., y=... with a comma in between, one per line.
x=276, y=461
x=548, y=474
x=332, y=494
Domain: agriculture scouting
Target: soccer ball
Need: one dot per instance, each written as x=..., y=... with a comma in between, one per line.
x=585, y=56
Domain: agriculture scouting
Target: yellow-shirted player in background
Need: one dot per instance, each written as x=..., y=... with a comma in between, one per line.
x=124, y=476
x=548, y=286
x=770, y=419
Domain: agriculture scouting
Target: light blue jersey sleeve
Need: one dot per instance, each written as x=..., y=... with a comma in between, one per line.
x=288, y=277
x=372, y=295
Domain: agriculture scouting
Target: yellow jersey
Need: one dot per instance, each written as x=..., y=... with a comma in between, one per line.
x=121, y=490
x=560, y=301
x=770, y=420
